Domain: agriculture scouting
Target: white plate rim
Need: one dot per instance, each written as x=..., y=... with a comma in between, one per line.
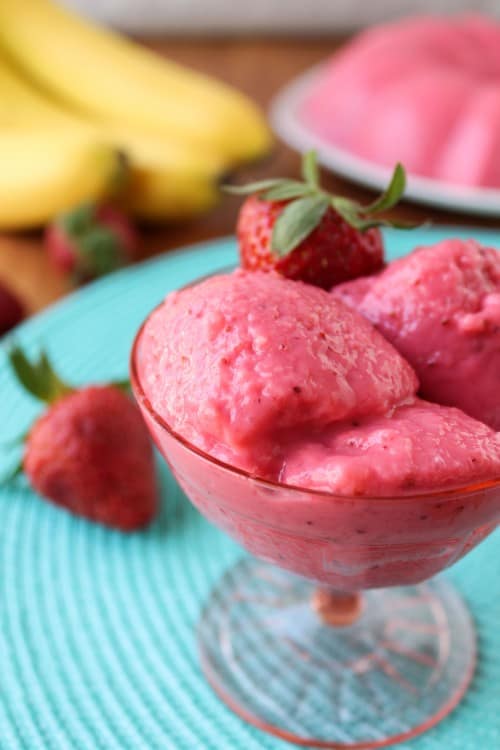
x=284, y=119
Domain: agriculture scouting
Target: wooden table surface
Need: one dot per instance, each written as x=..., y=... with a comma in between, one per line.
x=257, y=66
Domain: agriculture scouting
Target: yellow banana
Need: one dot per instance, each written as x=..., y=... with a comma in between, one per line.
x=168, y=180
x=43, y=174
x=165, y=182
x=108, y=77
x=20, y=105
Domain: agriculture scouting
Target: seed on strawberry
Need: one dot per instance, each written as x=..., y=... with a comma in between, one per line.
x=11, y=309
x=91, y=241
x=90, y=451
x=296, y=228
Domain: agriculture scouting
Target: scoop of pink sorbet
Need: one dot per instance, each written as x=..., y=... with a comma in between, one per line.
x=440, y=307
x=238, y=359
x=418, y=447
x=284, y=380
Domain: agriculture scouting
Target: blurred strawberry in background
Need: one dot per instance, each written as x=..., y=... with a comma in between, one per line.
x=11, y=309
x=91, y=241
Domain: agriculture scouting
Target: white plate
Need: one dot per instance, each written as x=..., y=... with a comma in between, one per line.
x=285, y=120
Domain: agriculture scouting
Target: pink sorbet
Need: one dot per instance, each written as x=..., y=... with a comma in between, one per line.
x=414, y=448
x=240, y=359
x=440, y=307
x=423, y=91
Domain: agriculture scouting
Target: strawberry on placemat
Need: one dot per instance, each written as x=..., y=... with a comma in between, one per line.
x=90, y=451
x=303, y=232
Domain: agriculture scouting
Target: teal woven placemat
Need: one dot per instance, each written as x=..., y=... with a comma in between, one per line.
x=97, y=642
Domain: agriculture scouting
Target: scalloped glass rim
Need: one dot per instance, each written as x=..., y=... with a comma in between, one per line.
x=328, y=496
x=444, y=195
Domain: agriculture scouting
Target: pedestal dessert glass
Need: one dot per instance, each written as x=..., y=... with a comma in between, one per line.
x=336, y=635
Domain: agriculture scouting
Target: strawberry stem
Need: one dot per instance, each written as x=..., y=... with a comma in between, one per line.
x=96, y=245
x=307, y=203
x=122, y=385
x=310, y=171
x=391, y=194
x=16, y=471
x=38, y=376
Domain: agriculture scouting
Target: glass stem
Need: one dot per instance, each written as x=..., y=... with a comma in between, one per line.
x=337, y=608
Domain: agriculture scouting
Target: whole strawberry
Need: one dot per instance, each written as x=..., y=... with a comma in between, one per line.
x=11, y=310
x=91, y=241
x=90, y=451
x=299, y=230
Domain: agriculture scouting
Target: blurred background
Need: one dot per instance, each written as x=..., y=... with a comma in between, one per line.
x=263, y=16
x=256, y=47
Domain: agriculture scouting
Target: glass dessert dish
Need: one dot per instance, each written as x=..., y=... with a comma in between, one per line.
x=336, y=635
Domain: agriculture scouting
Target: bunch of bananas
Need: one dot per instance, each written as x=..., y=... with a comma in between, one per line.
x=85, y=112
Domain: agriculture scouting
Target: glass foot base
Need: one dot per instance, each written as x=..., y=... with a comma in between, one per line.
x=396, y=671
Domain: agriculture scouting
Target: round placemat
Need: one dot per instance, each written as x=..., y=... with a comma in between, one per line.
x=97, y=628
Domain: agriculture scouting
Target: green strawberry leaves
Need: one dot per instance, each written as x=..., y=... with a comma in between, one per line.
x=12, y=474
x=78, y=220
x=286, y=190
x=310, y=171
x=122, y=385
x=38, y=377
x=254, y=187
x=41, y=380
x=308, y=204
x=297, y=221
x=100, y=252
x=391, y=195
x=271, y=190
x=97, y=246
